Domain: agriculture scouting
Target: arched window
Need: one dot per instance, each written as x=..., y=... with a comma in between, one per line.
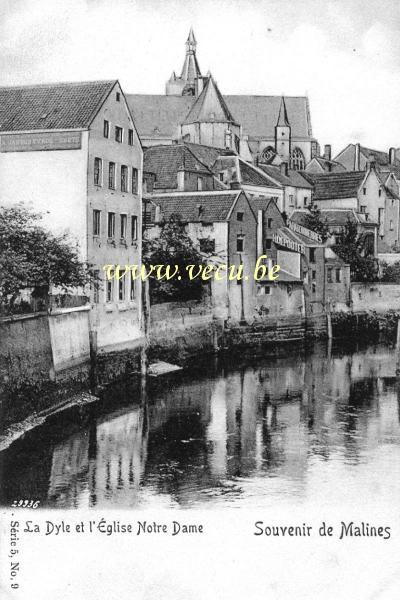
x=297, y=161
x=267, y=154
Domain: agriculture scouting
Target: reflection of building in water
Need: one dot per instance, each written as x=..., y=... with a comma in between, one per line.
x=102, y=462
x=117, y=468
x=280, y=420
x=68, y=476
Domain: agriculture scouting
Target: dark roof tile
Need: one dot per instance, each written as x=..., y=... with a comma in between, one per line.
x=336, y=185
x=197, y=207
x=51, y=106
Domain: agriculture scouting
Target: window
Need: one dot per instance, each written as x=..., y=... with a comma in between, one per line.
x=121, y=289
x=130, y=137
x=221, y=177
x=96, y=287
x=338, y=275
x=111, y=176
x=124, y=219
x=380, y=192
x=364, y=191
x=268, y=244
x=118, y=97
x=207, y=246
x=312, y=255
x=329, y=275
x=98, y=171
x=305, y=200
x=313, y=275
x=111, y=225
x=363, y=209
x=199, y=184
x=240, y=243
x=297, y=161
x=313, y=287
x=391, y=226
x=110, y=288
x=96, y=222
x=132, y=289
x=134, y=228
x=291, y=200
x=134, y=181
x=118, y=134
x=239, y=216
x=263, y=290
x=267, y=154
x=269, y=223
x=124, y=178
x=106, y=129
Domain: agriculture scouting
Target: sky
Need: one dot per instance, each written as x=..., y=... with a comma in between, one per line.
x=344, y=54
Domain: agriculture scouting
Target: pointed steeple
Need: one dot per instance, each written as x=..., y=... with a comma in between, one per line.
x=191, y=41
x=283, y=120
x=190, y=70
x=210, y=106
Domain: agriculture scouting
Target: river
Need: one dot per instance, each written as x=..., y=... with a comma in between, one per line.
x=256, y=432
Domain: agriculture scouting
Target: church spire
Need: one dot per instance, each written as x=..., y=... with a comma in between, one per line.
x=283, y=133
x=190, y=69
x=191, y=41
x=283, y=120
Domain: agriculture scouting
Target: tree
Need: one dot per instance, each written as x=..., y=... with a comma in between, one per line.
x=175, y=248
x=31, y=256
x=315, y=222
x=350, y=249
x=390, y=273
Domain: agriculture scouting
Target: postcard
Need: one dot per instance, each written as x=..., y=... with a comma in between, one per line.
x=199, y=300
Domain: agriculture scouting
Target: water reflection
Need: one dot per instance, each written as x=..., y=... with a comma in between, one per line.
x=322, y=427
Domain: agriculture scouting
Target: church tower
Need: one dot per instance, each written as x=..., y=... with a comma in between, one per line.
x=190, y=80
x=283, y=133
x=210, y=121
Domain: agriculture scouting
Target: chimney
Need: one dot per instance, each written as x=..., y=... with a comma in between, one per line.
x=328, y=152
x=235, y=185
x=181, y=180
x=284, y=168
x=392, y=156
x=357, y=157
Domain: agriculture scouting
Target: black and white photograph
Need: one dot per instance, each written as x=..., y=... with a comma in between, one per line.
x=199, y=299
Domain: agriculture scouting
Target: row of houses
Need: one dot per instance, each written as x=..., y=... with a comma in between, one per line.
x=84, y=156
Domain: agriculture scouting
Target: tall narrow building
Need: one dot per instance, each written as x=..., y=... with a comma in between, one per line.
x=283, y=133
x=190, y=81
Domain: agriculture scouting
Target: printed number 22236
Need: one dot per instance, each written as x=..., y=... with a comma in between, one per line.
x=25, y=504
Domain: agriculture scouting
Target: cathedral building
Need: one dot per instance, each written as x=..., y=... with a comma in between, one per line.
x=267, y=129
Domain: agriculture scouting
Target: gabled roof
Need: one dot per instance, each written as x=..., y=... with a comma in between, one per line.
x=329, y=166
x=206, y=154
x=205, y=207
x=160, y=116
x=210, y=106
x=333, y=217
x=383, y=177
x=251, y=175
x=166, y=161
x=336, y=185
x=293, y=178
x=382, y=158
x=52, y=106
